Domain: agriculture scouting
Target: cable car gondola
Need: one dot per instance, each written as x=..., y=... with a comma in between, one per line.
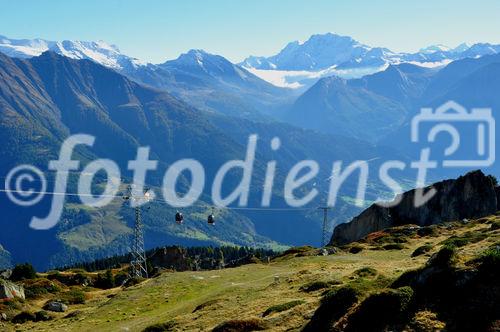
x=179, y=218
x=211, y=218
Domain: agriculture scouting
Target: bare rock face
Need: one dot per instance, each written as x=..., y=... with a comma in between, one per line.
x=9, y=290
x=470, y=196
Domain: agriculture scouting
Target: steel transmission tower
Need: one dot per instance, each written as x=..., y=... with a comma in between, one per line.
x=138, y=267
x=324, y=238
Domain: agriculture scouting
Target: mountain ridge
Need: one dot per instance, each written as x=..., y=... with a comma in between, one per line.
x=319, y=56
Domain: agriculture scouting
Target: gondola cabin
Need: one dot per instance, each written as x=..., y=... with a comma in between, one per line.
x=179, y=218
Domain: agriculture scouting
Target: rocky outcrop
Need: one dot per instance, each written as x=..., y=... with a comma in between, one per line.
x=56, y=306
x=470, y=196
x=9, y=290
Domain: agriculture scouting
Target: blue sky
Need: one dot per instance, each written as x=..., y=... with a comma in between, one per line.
x=159, y=30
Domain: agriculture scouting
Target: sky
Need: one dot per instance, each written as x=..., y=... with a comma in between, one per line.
x=156, y=31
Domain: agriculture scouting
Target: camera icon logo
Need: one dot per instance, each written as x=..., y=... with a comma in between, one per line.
x=452, y=118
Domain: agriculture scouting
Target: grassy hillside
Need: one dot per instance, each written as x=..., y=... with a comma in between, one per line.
x=283, y=295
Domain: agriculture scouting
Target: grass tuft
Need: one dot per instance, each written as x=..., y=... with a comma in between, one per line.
x=465, y=239
x=422, y=250
x=282, y=307
x=366, y=272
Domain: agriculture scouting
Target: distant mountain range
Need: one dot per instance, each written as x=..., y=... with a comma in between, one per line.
x=300, y=64
x=297, y=65
x=321, y=52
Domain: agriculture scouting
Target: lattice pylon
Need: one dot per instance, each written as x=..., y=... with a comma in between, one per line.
x=138, y=262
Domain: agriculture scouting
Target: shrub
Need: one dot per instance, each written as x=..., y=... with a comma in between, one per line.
x=105, y=280
x=466, y=238
x=23, y=272
x=73, y=296
x=12, y=304
x=493, y=180
x=407, y=278
x=356, y=248
x=346, y=294
x=35, y=288
x=317, y=285
x=456, y=241
x=426, y=321
x=241, y=326
x=42, y=316
x=366, y=285
x=427, y=231
x=161, y=327
x=333, y=306
x=133, y=281
x=282, y=307
x=391, y=238
x=445, y=257
x=393, y=246
x=422, y=250
x=70, y=279
x=120, y=278
x=495, y=225
x=366, y=272
x=34, y=292
x=314, y=286
x=24, y=317
x=405, y=295
x=490, y=262
x=380, y=309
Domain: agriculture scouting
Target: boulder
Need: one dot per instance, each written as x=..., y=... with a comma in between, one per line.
x=468, y=197
x=56, y=306
x=10, y=290
x=5, y=274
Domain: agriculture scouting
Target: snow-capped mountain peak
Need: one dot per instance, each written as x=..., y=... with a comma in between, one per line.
x=435, y=48
x=316, y=53
x=461, y=48
x=24, y=48
x=99, y=51
x=300, y=63
x=200, y=61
